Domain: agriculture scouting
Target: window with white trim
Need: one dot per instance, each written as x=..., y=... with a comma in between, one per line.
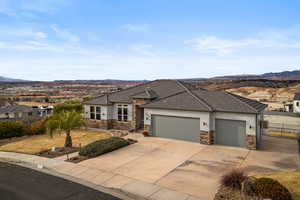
x=297, y=104
x=123, y=113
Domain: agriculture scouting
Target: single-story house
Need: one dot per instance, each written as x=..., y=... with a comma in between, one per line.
x=18, y=113
x=296, y=103
x=174, y=109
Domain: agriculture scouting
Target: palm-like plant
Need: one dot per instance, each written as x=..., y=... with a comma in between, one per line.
x=70, y=121
x=52, y=124
x=66, y=121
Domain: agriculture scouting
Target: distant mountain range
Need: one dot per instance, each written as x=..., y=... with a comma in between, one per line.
x=285, y=75
x=291, y=75
x=5, y=79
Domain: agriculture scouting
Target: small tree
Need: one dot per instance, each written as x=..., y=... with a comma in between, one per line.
x=70, y=121
x=52, y=124
x=74, y=105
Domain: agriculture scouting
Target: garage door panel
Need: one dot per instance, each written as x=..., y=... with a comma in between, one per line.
x=231, y=132
x=179, y=128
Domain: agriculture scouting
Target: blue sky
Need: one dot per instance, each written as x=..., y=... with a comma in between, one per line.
x=147, y=39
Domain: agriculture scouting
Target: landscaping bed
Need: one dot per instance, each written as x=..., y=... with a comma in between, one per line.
x=60, y=151
x=236, y=185
x=100, y=147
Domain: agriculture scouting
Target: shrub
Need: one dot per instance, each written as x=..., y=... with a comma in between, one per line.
x=11, y=129
x=37, y=128
x=100, y=147
x=233, y=179
x=146, y=133
x=270, y=188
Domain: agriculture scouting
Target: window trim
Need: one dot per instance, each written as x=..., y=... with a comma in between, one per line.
x=95, y=113
x=123, y=116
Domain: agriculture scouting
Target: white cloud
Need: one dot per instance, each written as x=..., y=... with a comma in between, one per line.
x=65, y=34
x=136, y=27
x=28, y=7
x=143, y=49
x=265, y=40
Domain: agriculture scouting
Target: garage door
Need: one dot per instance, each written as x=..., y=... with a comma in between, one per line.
x=231, y=132
x=179, y=128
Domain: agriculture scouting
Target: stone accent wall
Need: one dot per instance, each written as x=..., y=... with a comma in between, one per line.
x=136, y=112
x=122, y=125
x=251, y=142
x=207, y=137
x=102, y=124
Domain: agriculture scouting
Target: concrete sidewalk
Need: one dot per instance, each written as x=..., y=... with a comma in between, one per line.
x=115, y=184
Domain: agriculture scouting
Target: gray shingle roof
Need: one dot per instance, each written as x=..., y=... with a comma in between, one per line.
x=147, y=94
x=211, y=101
x=15, y=108
x=179, y=101
x=297, y=96
x=171, y=94
x=161, y=88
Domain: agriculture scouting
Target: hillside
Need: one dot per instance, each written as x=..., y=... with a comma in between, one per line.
x=5, y=79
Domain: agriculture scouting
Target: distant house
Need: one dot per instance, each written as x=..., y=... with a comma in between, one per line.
x=296, y=103
x=18, y=113
x=176, y=110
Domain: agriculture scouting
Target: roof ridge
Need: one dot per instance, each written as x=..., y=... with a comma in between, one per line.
x=159, y=99
x=235, y=97
x=108, y=94
x=195, y=96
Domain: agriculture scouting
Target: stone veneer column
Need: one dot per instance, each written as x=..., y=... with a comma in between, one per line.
x=251, y=142
x=207, y=137
x=135, y=109
x=147, y=127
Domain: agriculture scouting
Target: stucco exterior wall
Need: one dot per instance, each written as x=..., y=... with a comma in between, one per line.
x=204, y=117
x=295, y=107
x=4, y=116
x=249, y=118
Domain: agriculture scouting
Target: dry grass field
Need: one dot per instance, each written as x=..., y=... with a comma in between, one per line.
x=291, y=180
x=282, y=134
x=38, y=143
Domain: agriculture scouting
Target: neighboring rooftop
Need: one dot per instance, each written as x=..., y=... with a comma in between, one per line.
x=15, y=108
x=297, y=96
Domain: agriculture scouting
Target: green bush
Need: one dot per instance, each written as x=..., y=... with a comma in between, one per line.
x=68, y=106
x=272, y=189
x=100, y=147
x=12, y=129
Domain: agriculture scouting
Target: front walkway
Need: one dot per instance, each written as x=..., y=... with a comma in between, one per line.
x=156, y=168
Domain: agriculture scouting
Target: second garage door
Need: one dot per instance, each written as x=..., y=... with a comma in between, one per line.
x=179, y=128
x=231, y=132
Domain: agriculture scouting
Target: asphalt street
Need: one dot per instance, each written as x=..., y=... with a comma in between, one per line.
x=20, y=183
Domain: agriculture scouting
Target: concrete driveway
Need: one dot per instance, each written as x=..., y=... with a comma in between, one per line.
x=191, y=168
